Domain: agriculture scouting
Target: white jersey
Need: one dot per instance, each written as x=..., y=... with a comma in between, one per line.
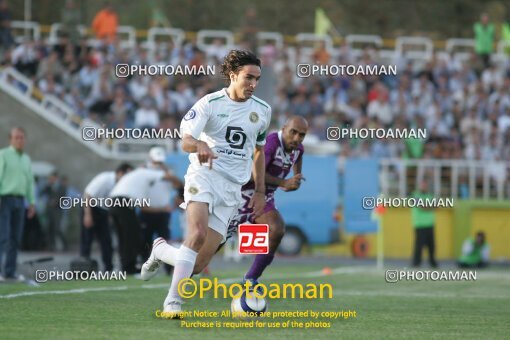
x=136, y=184
x=231, y=129
x=159, y=193
x=101, y=185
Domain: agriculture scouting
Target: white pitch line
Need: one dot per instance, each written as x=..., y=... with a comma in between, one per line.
x=335, y=271
x=339, y=292
x=59, y=292
x=341, y=270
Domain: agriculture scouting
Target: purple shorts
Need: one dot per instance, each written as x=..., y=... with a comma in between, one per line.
x=244, y=214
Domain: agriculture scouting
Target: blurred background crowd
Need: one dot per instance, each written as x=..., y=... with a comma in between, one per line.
x=464, y=105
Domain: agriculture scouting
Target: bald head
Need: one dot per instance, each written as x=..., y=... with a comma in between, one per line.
x=294, y=132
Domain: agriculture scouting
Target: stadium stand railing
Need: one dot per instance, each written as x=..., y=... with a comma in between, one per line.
x=205, y=36
x=357, y=42
x=411, y=47
x=275, y=37
x=452, y=178
x=176, y=35
x=459, y=179
x=57, y=112
x=460, y=48
x=21, y=29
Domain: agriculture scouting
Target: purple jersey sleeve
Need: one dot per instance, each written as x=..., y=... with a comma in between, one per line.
x=272, y=144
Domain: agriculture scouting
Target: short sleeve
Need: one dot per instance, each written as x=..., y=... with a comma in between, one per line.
x=94, y=187
x=194, y=121
x=270, y=150
x=261, y=137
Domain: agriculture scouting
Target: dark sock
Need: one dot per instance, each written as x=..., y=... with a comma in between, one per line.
x=259, y=264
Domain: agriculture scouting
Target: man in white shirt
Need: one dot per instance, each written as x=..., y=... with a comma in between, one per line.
x=224, y=133
x=133, y=187
x=155, y=219
x=95, y=222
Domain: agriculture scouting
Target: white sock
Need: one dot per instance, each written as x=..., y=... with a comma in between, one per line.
x=166, y=253
x=184, y=263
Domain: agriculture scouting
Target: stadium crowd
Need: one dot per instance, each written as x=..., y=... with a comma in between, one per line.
x=464, y=106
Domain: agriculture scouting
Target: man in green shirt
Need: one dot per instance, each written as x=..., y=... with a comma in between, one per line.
x=484, y=38
x=475, y=252
x=423, y=223
x=16, y=186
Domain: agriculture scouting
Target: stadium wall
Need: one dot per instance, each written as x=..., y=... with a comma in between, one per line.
x=452, y=228
x=71, y=158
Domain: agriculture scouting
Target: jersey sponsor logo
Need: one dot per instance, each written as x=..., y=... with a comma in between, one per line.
x=193, y=190
x=222, y=115
x=238, y=154
x=235, y=137
x=190, y=115
x=254, y=117
x=253, y=238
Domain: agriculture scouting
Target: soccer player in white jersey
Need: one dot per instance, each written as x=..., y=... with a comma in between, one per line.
x=224, y=132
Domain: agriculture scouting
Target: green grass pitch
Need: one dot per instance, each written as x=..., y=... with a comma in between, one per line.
x=126, y=309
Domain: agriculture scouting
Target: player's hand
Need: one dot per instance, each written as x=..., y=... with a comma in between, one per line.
x=88, y=222
x=31, y=211
x=293, y=183
x=205, y=154
x=257, y=203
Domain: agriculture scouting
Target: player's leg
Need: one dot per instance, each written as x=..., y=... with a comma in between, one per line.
x=197, y=214
x=431, y=247
x=417, y=247
x=206, y=253
x=276, y=232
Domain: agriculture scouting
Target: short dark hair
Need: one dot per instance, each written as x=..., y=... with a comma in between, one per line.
x=235, y=60
x=124, y=167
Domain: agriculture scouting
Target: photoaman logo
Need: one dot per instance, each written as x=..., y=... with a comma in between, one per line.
x=253, y=238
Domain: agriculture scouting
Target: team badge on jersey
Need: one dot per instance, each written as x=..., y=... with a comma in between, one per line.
x=193, y=190
x=190, y=115
x=254, y=117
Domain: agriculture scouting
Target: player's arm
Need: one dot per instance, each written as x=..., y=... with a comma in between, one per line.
x=192, y=126
x=204, y=153
x=88, y=221
x=91, y=190
x=166, y=209
x=298, y=166
x=170, y=176
x=258, y=200
x=294, y=182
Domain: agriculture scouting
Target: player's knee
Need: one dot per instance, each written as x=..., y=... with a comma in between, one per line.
x=198, y=235
x=278, y=231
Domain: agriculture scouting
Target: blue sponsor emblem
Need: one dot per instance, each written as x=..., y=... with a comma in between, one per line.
x=190, y=115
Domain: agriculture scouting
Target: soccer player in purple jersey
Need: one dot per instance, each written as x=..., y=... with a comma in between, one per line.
x=283, y=152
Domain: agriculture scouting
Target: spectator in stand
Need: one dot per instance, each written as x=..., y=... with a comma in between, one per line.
x=105, y=23
x=484, y=38
x=6, y=39
x=250, y=29
x=146, y=117
x=25, y=57
x=70, y=18
x=50, y=66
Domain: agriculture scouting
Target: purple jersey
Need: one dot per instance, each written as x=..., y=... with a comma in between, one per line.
x=278, y=164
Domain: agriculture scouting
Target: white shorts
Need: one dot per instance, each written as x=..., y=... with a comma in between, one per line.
x=222, y=195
